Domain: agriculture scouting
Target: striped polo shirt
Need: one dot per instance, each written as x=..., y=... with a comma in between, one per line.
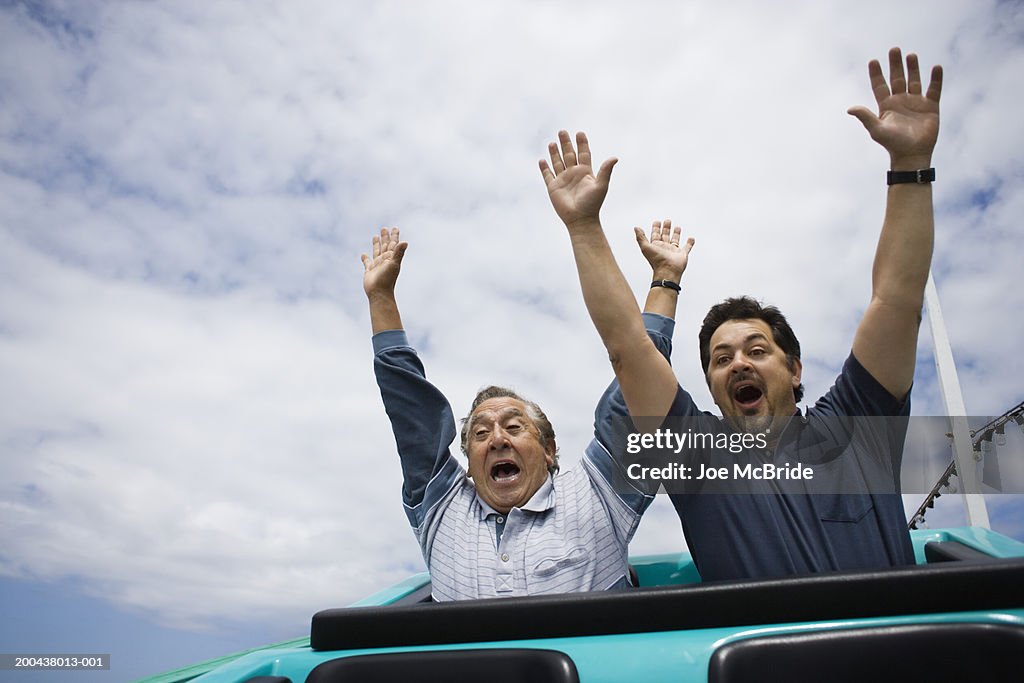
x=572, y=535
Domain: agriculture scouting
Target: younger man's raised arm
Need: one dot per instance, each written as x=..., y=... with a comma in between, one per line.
x=648, y=383
x=907, y=126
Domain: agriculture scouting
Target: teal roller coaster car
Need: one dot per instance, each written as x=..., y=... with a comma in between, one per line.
x=956, y=616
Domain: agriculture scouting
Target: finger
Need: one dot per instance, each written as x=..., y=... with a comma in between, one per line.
x=689, y=245
x=655, y=231
x=879, y=88
x=666, y=230
x=677, y=234
x=935, y=86
x=376, y=246
x=913, y=75
x=583, y=145
x=604, y=174
x=385, y=237
x=545, y=172
x=366, y=261
x=897, y=80
x=394, y=238
x=568, y=153
x=556, y=158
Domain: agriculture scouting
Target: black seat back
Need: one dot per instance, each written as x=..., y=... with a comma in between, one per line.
x=442, y=666
x=937, y=653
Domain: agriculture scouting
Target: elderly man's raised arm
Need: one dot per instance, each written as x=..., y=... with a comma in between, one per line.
x=907, y=126
x=668, y=257
x=576, y=193
x=380, y=275
x=421, y=417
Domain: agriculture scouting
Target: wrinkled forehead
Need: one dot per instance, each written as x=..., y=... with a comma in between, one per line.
x=733, y=333
x=499, y=408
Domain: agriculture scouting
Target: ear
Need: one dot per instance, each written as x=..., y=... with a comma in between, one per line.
x=549, y=453
x=797, y=370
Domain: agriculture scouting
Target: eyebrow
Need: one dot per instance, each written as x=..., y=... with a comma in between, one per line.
x=503, y=415
x=750, y=337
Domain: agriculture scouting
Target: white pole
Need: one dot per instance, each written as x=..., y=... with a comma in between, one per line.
x=953, y=400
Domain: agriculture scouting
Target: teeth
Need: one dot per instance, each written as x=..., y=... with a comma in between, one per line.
x=504, y=472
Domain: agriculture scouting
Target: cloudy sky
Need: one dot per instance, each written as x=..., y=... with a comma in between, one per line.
x=192, y=446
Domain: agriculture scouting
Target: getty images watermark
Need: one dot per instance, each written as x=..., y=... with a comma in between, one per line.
x=667, y=441
x=807, y=455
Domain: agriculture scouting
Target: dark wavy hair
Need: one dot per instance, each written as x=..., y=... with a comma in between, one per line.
x=746, y=308
x=533, y=411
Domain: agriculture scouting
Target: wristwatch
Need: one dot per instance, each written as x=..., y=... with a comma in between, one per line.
x=920, y=176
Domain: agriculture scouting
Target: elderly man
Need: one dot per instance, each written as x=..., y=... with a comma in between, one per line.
x=850, y=514
x=512, y=525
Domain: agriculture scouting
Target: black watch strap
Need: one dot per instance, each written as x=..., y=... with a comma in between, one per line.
x=668, y=284
x=920, y=176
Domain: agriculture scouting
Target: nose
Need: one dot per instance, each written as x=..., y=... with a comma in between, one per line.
x=740, y=363
x=499, y=438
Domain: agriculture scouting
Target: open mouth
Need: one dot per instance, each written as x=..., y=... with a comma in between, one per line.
x=504, y=472
x=747, y=395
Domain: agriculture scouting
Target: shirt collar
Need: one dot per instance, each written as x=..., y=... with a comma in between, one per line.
x=543, y=499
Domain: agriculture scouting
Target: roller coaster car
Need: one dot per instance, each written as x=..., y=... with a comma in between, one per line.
x=956, y=616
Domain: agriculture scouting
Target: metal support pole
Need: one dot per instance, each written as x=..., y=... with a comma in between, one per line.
x=953, y=400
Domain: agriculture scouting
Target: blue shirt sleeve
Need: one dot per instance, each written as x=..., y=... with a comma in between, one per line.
x=857, y=393
x=611, y=412
x=611, y=417
x=421, y=417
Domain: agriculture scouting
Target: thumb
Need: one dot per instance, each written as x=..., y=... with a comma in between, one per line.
x=689, y=244
x=400, y=251
x=641, y=238
x=865, y=116
x=604, y=174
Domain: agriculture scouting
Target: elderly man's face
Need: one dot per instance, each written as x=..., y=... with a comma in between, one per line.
x=749, y=376
x=506, y=459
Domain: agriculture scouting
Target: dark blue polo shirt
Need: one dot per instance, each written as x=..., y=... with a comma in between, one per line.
x=744, y=528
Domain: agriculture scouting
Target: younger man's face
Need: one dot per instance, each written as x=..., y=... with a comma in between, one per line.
x=749, y=375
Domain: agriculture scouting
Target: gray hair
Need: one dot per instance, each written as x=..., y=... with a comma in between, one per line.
x=546, y=433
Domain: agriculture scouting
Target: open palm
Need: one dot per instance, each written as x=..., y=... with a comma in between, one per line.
x=575, y=192
x=907, y=124
x=382, y=267
x=667, y=256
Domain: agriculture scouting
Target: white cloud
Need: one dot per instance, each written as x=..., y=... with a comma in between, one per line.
x=191, y=423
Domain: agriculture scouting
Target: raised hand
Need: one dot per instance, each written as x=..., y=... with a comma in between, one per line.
x=381, y=269
x=574, y=190
x=907, y=124
x=667, y=257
